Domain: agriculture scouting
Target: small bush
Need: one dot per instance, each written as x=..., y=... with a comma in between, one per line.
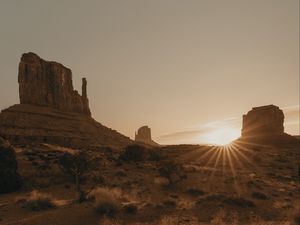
x=130, y=209
x=38, y=201
x=154, y=156
x=195, y=192
x=161, y=181
x=120, y=173
x=133, y=153
x=75, y=166
x=172, y=171
x=259, y=195
x=107, y=201
x=297, y=219
x=239, y=202
x=97, y=178
x=170, y=203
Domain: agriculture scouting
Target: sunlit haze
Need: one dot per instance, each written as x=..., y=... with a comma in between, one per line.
x=187, y=69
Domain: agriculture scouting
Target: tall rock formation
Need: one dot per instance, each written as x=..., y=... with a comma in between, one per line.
x=143, y=135
x=44, y=83
x=263, y=120
x=264, y=124
x=51, y=111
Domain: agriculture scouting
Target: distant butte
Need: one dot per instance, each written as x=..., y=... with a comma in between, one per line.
x=51, y=111
x=143, y=135
x=265, y=124
x=263, y=120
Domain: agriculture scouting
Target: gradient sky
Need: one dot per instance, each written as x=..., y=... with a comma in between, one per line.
x=182, y=67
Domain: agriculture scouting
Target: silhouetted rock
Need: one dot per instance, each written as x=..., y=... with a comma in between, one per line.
x=51, y=111
x=50, y=84
x=264, y=120
x=144, y=135
x=264, y=124
x=10, y=180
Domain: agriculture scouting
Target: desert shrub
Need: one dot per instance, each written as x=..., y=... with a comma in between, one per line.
x=297, y=219
x=195, y=192
x=133, y=153
x=97, y=178
x=75, y=165
x=120, y=173
x=38, y=201
x=170, y=203
x=172, y=171
x=106, y=201
x=239, y=202
x=154, y=156
x=161, y=181
x=210, y=199
x=130, y=209
x=259, y=195
x=10, y=180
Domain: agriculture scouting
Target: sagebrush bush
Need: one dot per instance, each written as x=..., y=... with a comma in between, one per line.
x=259, y=195
x=194, y=192
x=106, y=201
x=172, y=171
x=239, y=202
x=38, y=201
x=133, y=153
x=75, y=166
x=130, y=209
x=161, y=181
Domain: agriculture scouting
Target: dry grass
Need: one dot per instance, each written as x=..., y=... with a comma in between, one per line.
x=219, y=219
x=38, y=201
x=107, y=201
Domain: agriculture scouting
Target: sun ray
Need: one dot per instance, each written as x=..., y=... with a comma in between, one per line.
x=236, y=183
x=211, y=157
x=206, y=154
x=193, y=154
x=216, y=164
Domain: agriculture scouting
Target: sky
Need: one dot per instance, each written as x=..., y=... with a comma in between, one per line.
x=189, y=69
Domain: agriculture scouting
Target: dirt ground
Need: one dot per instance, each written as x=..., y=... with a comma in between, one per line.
x=242, y=183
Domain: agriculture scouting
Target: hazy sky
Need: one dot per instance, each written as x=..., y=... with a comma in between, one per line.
x=182, y=67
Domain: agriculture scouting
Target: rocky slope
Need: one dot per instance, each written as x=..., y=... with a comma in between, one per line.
x=51, y=111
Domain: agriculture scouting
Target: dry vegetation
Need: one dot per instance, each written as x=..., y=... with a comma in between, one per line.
x=161, y=186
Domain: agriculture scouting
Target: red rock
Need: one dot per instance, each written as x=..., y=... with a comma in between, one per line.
x=51, y=111
x=143, y=135
x=263, y=120
x=50, y=84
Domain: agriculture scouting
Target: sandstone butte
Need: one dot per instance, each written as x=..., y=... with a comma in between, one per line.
x=143, y=135
x=265, y=124
x=51, y=111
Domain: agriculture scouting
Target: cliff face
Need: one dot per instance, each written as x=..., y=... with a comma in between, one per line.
x=50, y=84
x=264, y=125
x=264, y=120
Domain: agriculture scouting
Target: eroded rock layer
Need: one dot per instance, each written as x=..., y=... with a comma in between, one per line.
x=50, y=84
x=51, y=111
x=265, y=124
x=24, y=124
x=263, y=120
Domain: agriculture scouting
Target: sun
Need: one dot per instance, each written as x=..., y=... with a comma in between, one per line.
x=221, y=136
